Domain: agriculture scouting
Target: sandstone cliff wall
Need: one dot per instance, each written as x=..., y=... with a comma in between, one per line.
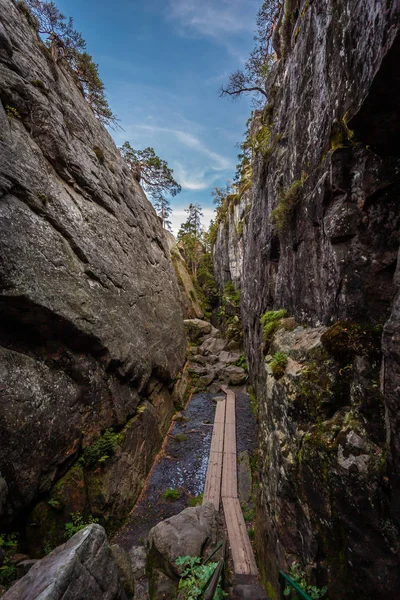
x=332, y=170
x=91, y=329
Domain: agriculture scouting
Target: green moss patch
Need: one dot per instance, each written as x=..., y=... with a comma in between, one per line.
x=346, y=339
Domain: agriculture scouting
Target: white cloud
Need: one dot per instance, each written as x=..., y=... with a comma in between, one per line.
x=179, y=216
x=214, y=18
x=189, y=140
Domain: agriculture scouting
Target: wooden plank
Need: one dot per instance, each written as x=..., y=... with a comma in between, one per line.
x=242, y=552
x=229, y=476
x=217, y=442
x=230, y=416
x=230, y=439
x=212, y=489
x=220, y=412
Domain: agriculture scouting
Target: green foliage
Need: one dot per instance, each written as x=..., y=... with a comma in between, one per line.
x=54, y=503
x=77, y=523
x=195, y=500
x=171, y=494
x=270, y=322
x=298, y=575
x=252, y=533
x=154, y=173
x=9, y=544
x=12, y=113
x=38, y=83
x=231, y=295
x=242, y=362
x=195, y=577
x=102, y=449
x=48, y=548
x=281, y=214
x=278, y=364
x=180, y=437
x=99, y=153
x=67, y=43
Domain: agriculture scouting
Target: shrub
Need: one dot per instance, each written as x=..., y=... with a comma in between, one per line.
x=77, y=523
x=281, y=215
x=12, y=113
x=195, y=500
x=195, y=577
x=278, y=364
x=298, y=575
x=102, y=448
x=270, y=322
x=171, y=494
x=38, y=83
x=346, y=339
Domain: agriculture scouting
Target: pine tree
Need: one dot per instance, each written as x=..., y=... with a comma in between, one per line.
x=164, y=210
x=190, y=235
x=152, y=171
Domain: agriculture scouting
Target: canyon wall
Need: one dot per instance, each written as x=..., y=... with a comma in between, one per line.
x=322, y=243
x=91, y=328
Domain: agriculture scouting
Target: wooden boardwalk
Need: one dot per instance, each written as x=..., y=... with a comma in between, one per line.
x=221, y=481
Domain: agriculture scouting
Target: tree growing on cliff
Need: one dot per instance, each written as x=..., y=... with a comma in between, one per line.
x=152, y=171
x=164, y=210
x=67, y=43
x=251, y=80
x=190, y=236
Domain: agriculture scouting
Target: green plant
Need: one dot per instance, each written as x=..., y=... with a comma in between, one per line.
x=7, y=573
x=298, y=575
x=242, y=362
x=280, y=216
x=77, y=523
x=102, y=449
x=48, y=548
x=252, y=534
x=180, y=437
x=270, y=322
x=195, y=500
x=195, y=577
x=171, y=494
x=43, y=198
x=278, y=364
x=38, y=83
x=12, y=113
x=99, y=153
x=54, y=503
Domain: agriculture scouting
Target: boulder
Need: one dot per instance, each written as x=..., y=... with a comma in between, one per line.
x=81, y=569
x=185, y=534
x=228, y=358
x=233, y=375
x=196, y=328
x=212, y=345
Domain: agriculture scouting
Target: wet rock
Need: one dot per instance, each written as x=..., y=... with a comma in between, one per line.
x=196, y=328
x=125, y=571
x=81, y=568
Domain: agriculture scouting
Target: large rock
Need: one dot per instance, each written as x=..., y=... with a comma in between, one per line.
x=81, y=569
x=196, y=328
x=187, y=534
x=89, y=309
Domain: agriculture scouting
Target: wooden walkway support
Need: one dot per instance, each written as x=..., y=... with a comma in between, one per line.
x=221, y=481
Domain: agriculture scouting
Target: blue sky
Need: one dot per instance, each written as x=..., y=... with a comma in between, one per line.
x=162, y=62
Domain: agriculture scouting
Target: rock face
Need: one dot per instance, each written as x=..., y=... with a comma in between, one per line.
x=82, y=568
x=331, y=171
x=229, y=247
x=90, y=320
x=190, y=301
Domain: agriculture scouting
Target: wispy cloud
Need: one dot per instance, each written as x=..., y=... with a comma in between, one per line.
x=213, y=18
x=179, y=216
